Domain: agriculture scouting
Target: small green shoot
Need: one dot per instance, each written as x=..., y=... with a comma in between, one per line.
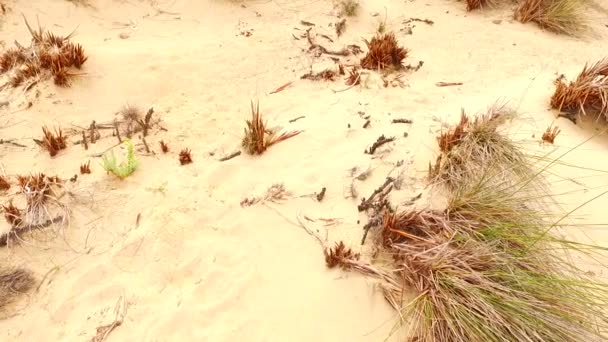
x=124, y=169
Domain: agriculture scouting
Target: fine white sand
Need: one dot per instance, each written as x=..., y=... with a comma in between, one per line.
x=198, y=266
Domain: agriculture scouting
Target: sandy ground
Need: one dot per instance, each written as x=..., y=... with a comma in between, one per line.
x=198, y=266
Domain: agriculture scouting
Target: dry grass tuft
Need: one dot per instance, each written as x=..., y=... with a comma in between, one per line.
x=589, y=92
x=48, y=56
x=340, y=255
x=479, y=4
x=14, y=282
x=550, y=134
x=478, y=146
x=53, y=142
x=12, y=214
x=349, y=8
x=85, y=168
x=489, y=268
x=185, y=156
x=559, y=16
x=258, y=138
x=384, y=52
x=4, y=184
x=354, y=77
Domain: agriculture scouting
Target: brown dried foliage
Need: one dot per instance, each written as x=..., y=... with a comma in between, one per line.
x=185, y=157
x=14, y=282
x=550, y=134
x=38, y=186
x=340, y=255
x=478, y=4
x=4, y=184
x=163, y=146
x=85, y=168
x=589, y=92
x=257, y=137
x=12, y=214
x=354, y=77
x=53, y=142
x=48, y=56
x=384, y=52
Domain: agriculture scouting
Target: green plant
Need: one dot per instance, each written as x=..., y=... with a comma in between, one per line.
x=559, y=16
x=125, y=168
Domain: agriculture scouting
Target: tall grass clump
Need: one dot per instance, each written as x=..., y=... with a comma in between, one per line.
x=490, y=267
x=124, y=169
x=258, y=137
x=479, y=145
x=558, y=16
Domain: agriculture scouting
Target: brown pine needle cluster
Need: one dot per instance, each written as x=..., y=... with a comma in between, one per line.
x=48, y=56
x=340, y=255
x=589, y=92
x=354, y=77
x=53, y=142
x=85, y=168
x=384, y=52
x=258, y=138
x=185, y=156
x=4, y=184
x=550, y=134
x=559, y=16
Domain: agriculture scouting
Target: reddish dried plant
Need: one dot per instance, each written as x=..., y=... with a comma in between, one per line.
x=588, y=92
x=53, y=142
x=12, y=214
x=163, y=146
x=37, y=187
x=4, y=184
x=478, y=4
x=258, y=138
x=85, y=168
x=340, y=255
x=447, y=140
x=185, y=156
x=384, y=52
x=354, y=77
x=550, y=134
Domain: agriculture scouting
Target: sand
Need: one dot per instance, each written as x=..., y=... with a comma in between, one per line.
x=172, y=243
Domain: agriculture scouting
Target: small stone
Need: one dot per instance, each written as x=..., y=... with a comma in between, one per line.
x=124, y=35
x=497, y=21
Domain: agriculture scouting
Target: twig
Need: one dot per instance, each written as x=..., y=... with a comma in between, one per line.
x=313, y=45
x=379, y=142
x=230, y=156
x=117, y=131
x=18, y=231
x=406, y=121
x=321, y=194
x=366, y=124
x=296, y=119
x=281, y=88
x=145, y=145
x=448, y=84
x=84, y=140
x=3, y=141
x=120, y=312
x=368, y=203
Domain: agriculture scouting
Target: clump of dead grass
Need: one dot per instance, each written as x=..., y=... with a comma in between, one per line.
x=589, y=92
x=4, y=184
x=384, y=52
x=550, y=134
x=258, y=137
x=48, y=56
x=476, y=146
x=479, y=4
x=559, y=16
x=490, y=268
x=14, y=282
x=53, y=142
x=349, y=8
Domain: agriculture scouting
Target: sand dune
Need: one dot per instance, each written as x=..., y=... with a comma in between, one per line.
x=174, y=242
